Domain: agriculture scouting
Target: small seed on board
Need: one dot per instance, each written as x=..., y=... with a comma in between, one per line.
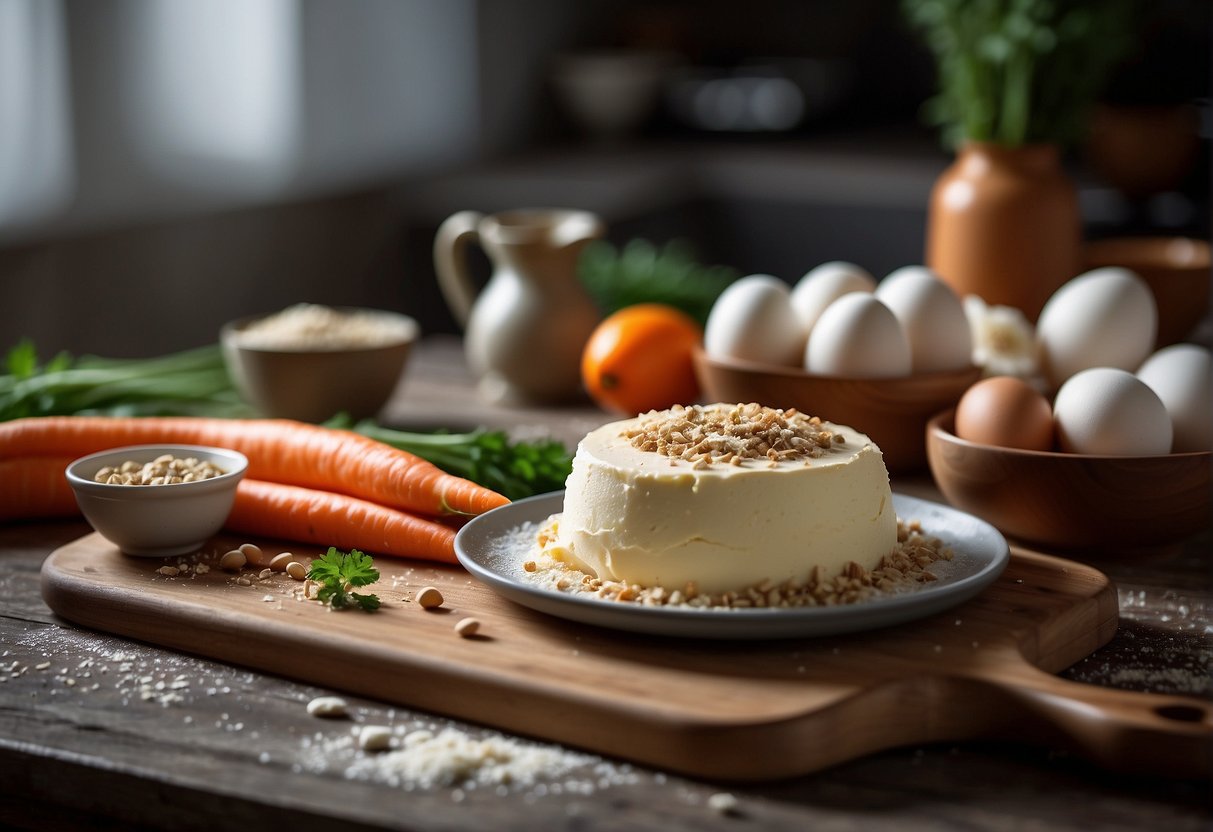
x=233, y=561
x=429, y=598
x=279, y=562
x=374, y=737
x=332, y=707
x=723, y=803
x=467, y=627
x=251, y=551
x=296, y=570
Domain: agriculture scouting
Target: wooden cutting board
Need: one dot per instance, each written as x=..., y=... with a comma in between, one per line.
x=734, y=711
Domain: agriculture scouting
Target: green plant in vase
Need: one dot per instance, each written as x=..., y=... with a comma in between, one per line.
x=1017, y=80
x=1016, y=72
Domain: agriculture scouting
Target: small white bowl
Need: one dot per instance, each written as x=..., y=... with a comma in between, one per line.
x=157, y=520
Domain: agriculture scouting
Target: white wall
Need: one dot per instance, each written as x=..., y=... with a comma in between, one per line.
x=36, y=165
x=121, y=111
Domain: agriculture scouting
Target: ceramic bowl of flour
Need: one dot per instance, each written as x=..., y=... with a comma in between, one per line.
x=312, y=362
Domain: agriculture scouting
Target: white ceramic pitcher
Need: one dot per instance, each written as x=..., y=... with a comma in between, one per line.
x=524, y=333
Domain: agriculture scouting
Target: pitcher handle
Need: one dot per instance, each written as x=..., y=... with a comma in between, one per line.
x=450, y=262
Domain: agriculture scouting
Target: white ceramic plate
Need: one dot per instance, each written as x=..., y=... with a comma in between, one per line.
x=489, y=548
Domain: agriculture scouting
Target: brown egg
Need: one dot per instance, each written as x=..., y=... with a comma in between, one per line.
x=1007, y=412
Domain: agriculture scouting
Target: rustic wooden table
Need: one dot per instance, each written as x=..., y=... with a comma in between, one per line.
x=101, y=732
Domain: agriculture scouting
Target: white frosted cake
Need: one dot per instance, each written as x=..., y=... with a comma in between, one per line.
x=723, y=497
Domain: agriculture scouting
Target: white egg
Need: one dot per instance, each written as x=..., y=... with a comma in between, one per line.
x=857, y=336
x=1103, y=318
x=932, y=316
x=825, y=284
x=1182, y=377
x=753, y=320
x=1105, y=410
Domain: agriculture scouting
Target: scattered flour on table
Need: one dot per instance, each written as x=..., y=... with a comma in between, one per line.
x=429, y=756
x=137, y=674
x=418, y=755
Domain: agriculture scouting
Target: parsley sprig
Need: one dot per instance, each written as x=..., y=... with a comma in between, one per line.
x=336, y=570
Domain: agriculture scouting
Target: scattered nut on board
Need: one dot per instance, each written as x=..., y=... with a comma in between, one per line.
x=331, y=707
x=233, y=561
x=374, y=737
x=251, y=551
x=467, y=627
x=279, y=562
x=723, y=803
x=296, y=570
x=429, y=598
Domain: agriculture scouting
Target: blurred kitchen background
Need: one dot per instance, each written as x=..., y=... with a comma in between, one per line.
x=168, y=165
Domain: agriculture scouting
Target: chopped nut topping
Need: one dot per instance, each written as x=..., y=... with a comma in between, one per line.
x=732, y=434
x=904, y=567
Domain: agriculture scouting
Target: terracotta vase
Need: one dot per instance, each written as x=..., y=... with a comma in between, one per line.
x=1004, y=224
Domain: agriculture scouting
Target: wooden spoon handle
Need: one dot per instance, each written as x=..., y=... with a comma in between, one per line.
x=1125, y=730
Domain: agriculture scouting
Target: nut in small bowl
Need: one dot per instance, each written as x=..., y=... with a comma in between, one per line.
x=310, y=362
x=1089, y=506
x=892, y=411
x=159, y=518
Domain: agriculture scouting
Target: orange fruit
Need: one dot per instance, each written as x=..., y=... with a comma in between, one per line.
x=639, y=359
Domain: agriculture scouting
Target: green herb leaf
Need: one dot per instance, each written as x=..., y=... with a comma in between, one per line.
x=358, y=569
x=368, y=603
x=327, y=567
x=1016, y=72
x=190, y=383
x=22, y=361
x=643, y=273
x=335, y=570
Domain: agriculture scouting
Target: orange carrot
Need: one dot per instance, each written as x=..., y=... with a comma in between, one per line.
x=279, y=450
x=36, y=487
x=288, y=512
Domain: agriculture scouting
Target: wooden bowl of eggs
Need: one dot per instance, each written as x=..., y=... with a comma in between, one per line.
x=1116, y=463
x=880, y=359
